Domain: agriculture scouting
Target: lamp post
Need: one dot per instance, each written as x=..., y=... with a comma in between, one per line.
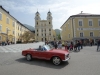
x=0, y=35
x=7, y=34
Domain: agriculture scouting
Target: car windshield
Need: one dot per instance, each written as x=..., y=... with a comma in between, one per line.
x=47, y=47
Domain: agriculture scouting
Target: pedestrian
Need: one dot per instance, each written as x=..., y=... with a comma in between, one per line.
x=47, y=42
x=91, y=42
x=98, y=45
x=59, y=45
x=71, y=46
x=78, y=45
x=65, y=44
x=68, y=45
x=81, y=44
x=55, y=44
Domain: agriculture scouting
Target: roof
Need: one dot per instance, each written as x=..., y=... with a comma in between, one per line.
x=37, y=12
x=7, y=12
x=31, y=28
x=49, y=11
x=86, y=15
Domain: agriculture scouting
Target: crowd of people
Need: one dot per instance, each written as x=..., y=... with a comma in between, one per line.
x=4, y=43
x=71, y=45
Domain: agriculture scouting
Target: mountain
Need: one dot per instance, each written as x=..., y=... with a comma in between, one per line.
x=31, y=28
x=57, y=31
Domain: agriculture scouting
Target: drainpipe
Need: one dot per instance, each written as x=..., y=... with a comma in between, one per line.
x=73, y=27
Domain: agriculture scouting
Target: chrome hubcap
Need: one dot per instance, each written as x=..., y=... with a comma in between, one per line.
x=56, y=60
x=28, y=57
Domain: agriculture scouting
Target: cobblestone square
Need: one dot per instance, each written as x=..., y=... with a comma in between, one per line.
x=85, y=62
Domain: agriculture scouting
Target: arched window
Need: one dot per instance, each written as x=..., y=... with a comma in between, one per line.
x=49, y=22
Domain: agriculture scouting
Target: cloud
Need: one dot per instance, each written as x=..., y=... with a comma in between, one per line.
x=61, y=9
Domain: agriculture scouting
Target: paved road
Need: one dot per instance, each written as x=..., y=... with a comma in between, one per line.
x=19, y=47
x=85, y=62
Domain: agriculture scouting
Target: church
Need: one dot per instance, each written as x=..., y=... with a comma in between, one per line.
x=43, y=28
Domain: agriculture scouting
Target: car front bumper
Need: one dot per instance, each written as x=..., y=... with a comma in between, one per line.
x=66, y=59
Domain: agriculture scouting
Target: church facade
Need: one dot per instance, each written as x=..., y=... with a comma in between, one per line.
x=43, y=28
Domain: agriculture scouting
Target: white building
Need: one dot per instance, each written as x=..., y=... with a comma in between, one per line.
x=43, y=28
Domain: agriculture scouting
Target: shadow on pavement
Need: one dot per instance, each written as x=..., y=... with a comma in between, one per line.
x=43, y=63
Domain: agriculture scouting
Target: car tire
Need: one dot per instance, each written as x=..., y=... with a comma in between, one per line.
x=28, y=57
x=56, y=60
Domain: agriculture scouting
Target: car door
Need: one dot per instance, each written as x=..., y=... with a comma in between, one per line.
x=43, y=54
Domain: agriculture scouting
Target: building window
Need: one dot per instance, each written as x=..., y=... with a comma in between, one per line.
x=42, y=34
x=42, y=30
x=18, y=27
x=45, y=30
x=68, y=26
x=7, y=20
x=13, y=32
x=49, y=33
x=80, y=23
x=81, y=34
x=7, y=30
x=37, y=34
x=49, y=29
x=0, y=38
x=91, y=34
x=0, y=16
x=90, y=23
x=13, y=24
x=0, y=27
x=49, y=22
x=45, y=34
x=99, y=23
x=13, y=39
x=69, y=35
x=37, y=23
x=37, y=30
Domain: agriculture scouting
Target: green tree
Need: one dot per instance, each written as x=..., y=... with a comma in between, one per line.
x=59, y=37
x=27, y=36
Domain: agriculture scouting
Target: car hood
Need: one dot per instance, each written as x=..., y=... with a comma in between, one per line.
x=59, y=51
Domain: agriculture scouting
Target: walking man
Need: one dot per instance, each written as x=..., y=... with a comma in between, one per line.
x=98, y=45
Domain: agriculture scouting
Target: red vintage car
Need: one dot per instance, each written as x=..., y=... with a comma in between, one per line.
x=48, y=53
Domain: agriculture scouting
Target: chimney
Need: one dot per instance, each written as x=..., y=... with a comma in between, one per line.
x=81, y=12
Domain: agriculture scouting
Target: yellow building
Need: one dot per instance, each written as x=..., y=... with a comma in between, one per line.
x=82, y=26
x=10, y=28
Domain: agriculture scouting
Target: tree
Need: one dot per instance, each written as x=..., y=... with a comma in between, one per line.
x=27, y=36
x=59, y=37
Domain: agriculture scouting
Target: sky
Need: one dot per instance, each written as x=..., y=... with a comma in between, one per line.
x=24, y=10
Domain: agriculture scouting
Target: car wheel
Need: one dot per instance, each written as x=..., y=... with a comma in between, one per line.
x=56, y=60
x=28, y=57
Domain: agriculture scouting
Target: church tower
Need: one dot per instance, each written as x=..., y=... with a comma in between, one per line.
x=50, y=26
x=37, y=21
x=49, y=18
x=43, y=28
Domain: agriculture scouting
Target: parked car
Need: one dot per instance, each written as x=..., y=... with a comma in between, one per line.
x=57, y=56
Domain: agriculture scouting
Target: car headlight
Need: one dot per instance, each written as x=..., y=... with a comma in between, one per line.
x=66, y=56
